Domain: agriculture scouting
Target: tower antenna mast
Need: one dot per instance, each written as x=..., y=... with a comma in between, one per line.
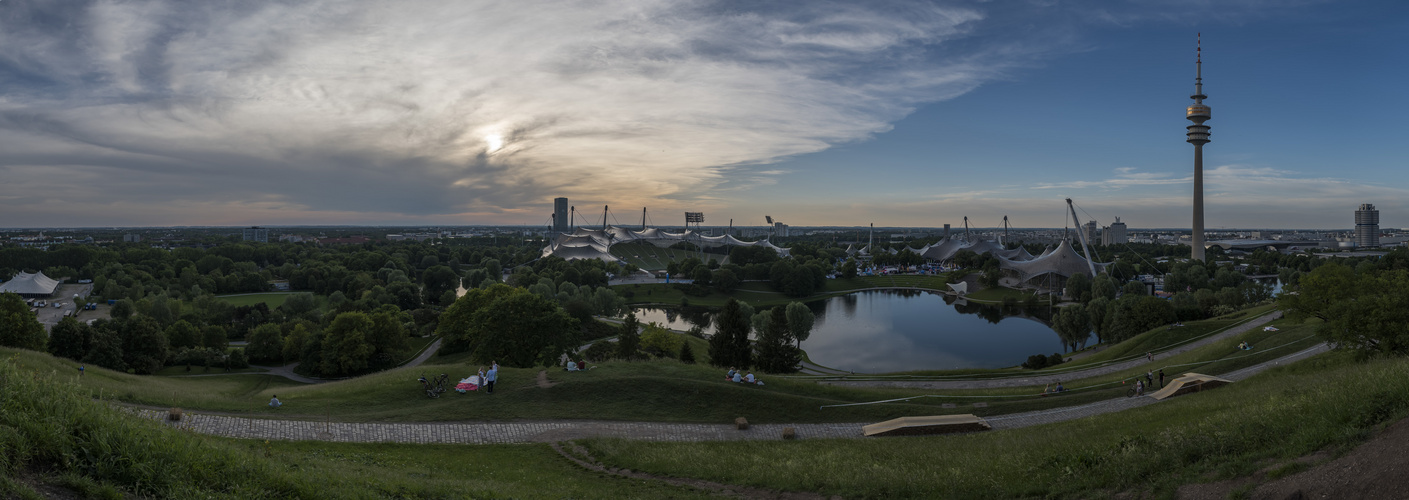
x=1198, y=112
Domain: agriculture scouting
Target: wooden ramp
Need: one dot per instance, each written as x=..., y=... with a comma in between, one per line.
x=917, y=426
x=1190, y=382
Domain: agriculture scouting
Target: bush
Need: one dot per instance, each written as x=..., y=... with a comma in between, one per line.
x=687, y=355
x=1038, y=361
x=600, y=351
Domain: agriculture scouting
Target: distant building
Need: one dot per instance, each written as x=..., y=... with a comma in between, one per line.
x=1090, y=229
x=1115, y=234
x=131, y=238
x=560, y=215
x=780, y=229
x=1367, y=226
x=256, y=233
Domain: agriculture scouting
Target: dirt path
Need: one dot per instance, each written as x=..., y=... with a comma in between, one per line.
x=543, y=382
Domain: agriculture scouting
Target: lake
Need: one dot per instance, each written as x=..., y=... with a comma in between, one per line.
x=880, y=331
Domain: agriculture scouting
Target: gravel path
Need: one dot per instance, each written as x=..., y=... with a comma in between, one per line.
x=562, y=430
x=1045, y=379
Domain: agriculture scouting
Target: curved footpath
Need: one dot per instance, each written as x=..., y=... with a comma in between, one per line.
x=1058, y=377
x=561, y=430
x=287, y=371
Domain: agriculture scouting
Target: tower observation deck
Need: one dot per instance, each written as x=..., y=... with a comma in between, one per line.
x=1198, y=112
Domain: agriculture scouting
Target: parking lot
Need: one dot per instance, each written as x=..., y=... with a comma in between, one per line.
x=50, y=315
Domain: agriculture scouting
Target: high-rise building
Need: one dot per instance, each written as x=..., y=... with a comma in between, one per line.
x=560, y=215
x=1089, y=230
x=256, y=233
x=1367, y=226
x=1115, y=234
x=1197, y=135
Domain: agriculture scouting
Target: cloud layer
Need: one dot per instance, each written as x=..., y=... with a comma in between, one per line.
x=169, y=112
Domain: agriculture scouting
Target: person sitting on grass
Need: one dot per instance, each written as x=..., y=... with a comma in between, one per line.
x=274, y=402
x=582, y=365
x=730, y=375
x=737, y=377
x=572, y=366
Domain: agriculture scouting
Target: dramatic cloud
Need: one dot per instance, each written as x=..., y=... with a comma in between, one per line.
x=171, y=112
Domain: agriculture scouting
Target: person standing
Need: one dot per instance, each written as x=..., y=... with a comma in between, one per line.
x=490, y=378
x=1149, y=378
x=1161, y=378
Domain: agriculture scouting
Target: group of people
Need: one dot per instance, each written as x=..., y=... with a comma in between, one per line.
x=577, y=366
x=737, y=376
x=1141, y=385
x=1245, y=346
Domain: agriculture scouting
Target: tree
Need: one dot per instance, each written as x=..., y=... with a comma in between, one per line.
x=266, y=343
x=122, y=309
x=387, y=334
x=701, y=275
x=345, y=347
x=1133, y=288
x=800, y=321
x=510, y=325
x=294, y=342
x=687, y=355
x=1079, y=287
x=300, y=305
x=659, y=341
x=438, y=280
x=729, y=346
x=1073, y=325
x=18, y=326
x=725, y=280
x=182, y=334
x=1103, y=285
x=492, y=269
x=848, y=270
x=1368, y=311
x=70, y=339
x=628, y=342
x=106, y=348
x=213, y=337
x=144, y=345
x=776, y=352
x=1099, y=311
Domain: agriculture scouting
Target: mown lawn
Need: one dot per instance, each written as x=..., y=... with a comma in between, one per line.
x=273, y=299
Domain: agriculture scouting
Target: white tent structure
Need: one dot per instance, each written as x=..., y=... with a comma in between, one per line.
x=585, y=243
x=30, y=285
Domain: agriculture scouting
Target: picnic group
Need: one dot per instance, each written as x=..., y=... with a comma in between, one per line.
x=739, y=377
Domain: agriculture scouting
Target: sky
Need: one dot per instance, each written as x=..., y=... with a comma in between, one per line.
x=898, y=113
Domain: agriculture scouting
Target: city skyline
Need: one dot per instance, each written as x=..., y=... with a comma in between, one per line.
x=899, y=113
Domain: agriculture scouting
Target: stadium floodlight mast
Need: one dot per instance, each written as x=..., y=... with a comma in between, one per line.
x=696, y=218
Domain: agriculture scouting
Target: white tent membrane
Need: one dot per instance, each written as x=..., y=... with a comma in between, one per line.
x=585, y=243
x=30, y=285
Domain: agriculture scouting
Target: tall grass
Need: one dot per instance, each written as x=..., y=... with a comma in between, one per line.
x=1329, y=402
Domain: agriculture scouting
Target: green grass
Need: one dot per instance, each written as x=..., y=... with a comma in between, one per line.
x=66, y=441
x=651, y=258
x=998, y=294
x=179, y=371
x=660, y=390
x=1163, y=338
x=273, y=299
x=1329, y=402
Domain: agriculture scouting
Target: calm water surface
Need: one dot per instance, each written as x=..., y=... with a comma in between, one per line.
x=890, y=330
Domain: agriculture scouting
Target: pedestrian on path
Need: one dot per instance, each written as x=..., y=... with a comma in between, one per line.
x=1161, y=378
x=1149, y=378
x=1139, y=387
x=490, y=378
x=1150, y=356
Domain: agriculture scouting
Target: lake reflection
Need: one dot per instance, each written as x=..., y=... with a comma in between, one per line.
x=895, y=330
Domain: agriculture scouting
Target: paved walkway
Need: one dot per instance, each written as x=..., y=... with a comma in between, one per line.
x=561, y=430
x=1053, y=378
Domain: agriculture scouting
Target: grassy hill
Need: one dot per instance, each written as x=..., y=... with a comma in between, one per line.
x=57, y=441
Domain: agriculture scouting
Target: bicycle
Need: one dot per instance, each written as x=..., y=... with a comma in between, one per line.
x=433, y=387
